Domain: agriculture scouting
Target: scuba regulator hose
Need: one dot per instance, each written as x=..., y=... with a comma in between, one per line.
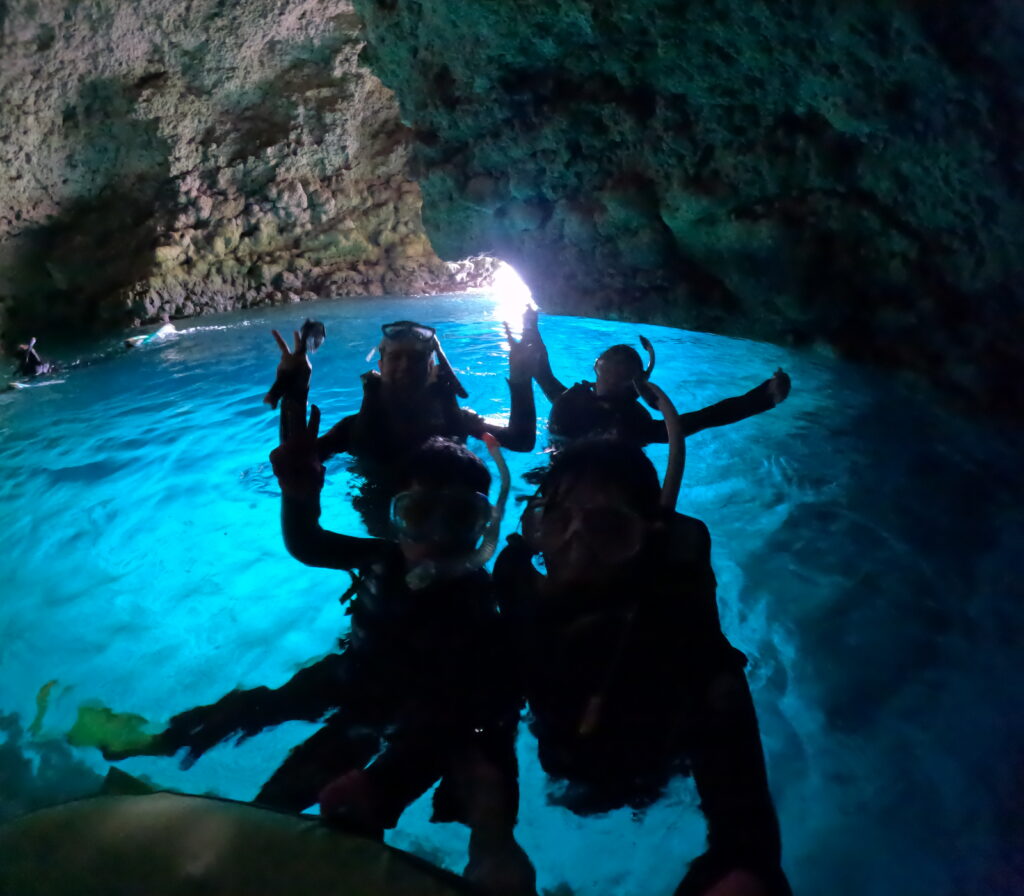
x=425, y=573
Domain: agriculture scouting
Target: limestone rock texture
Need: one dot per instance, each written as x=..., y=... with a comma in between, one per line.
x=810, y=172
x=162, y=158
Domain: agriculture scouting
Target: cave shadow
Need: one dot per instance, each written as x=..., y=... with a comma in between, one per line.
x=890, y=678
x=67, y=273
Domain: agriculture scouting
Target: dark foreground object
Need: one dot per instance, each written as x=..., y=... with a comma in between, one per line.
x=168, y=843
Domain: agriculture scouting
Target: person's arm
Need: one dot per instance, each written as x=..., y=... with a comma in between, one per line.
x=761, y=398
x=758, y=400
x=550, y=385
x=521, y=432
x=293, y=372
x=337, y=439
x=744, y=844
x=301, y=476
x=729, y=770
x=313, y=545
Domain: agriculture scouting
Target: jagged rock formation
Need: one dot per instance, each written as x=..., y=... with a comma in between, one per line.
x=174, y=158
x=805, y=172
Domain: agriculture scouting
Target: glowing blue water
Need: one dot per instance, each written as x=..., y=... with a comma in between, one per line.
x=867, y=550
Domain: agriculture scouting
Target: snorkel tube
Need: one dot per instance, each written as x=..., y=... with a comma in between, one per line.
x=641, y=386
x=676, y=448
x=449, y=373
x=425, y=573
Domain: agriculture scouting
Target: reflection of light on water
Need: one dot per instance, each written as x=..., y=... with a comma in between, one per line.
x=513, y=296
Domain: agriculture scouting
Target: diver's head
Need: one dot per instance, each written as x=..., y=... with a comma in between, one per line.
x=406, y=355
x=443, y=508
x=595, y=509
x=616, y=368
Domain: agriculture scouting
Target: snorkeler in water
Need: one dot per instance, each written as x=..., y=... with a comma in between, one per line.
x=629, y=678
x=422, y=688
x=610, y=405
x=406, y=401
x=30, y=363
x=412, y=398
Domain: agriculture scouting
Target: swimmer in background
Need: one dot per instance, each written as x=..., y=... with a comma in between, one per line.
x=610, y=405
x=165, y=329
x=30, y=363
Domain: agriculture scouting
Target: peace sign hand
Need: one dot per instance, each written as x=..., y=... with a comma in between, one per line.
x=296, y=461
x=778, y=386
x=293, y=372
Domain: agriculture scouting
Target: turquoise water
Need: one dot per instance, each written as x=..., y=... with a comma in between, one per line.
x=867, y=546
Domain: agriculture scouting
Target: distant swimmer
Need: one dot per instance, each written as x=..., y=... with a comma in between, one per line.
x=30, y=364
x=165, y=330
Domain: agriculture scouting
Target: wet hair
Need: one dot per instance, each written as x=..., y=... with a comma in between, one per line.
x=624, y=353
x=443, y=463
x=620, y=463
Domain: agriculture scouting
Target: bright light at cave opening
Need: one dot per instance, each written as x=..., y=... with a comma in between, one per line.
x=513, y=296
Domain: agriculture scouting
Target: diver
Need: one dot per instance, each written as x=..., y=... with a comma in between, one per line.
x=629, y=678
x=408, y=400
x=425, y=669
x=610, y=405
x=30, y=364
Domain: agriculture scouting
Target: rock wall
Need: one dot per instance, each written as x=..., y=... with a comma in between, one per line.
x=803, y=171
x=177, y=158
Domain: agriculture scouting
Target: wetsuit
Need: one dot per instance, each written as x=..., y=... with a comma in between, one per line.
x=579, y=412
x=633, y=682
x=380, y=441
x=374, y=434
x=425, y=672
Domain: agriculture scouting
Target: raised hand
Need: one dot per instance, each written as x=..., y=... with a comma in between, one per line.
x=293, y=371
x=522, y=356
x=778, y=386
x=236, y=714
x=296, y=461
x=531, y=332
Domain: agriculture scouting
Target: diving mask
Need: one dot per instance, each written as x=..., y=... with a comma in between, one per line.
x=408, y=329
x=610, y=532
x=454, y=516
